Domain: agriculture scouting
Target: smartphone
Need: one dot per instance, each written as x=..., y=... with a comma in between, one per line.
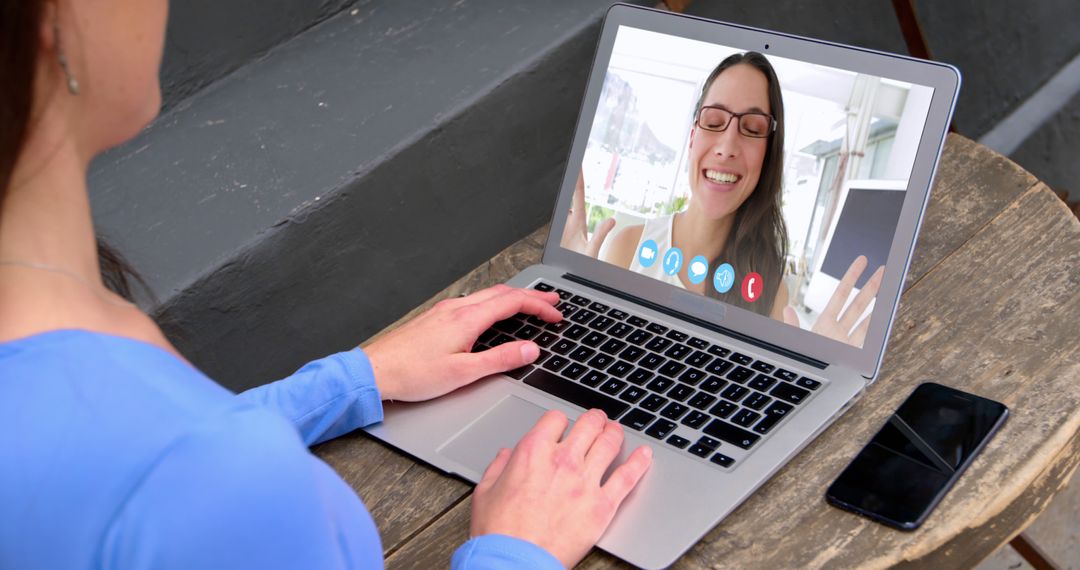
x=917, y=456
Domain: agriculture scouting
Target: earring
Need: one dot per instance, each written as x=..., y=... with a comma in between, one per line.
x=72, y=83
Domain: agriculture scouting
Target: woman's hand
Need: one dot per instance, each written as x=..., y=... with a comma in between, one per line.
x=575, y=234
x=548, y=492
x=429, y=355
x=842, y=326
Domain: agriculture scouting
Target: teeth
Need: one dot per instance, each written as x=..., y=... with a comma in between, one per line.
x=722, y=177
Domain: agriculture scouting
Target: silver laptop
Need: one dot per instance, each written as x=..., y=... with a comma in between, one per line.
x=766, y=191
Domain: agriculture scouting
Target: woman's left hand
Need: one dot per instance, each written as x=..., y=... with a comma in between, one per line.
x=838, y=323
x=429, y=355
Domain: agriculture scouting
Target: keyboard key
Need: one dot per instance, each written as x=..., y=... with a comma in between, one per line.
x=638, y=322
x=541, y=286
x=567, y=309
x=563, y=346
x=762, y=382
x=660, y=385
x=699, y=450
x=575, y=332
x=639, y=376
x=656, y=328
x=632, y=353
x=574, y=370
x=508, y=326
x=734, y=392
x=536, y=321
x=575, y=393
x=678, y=352
x=632, y=394
x=599, y=307
x=556, y=363
x=740, y=374
x=564, y=295
x=722, y=460
x=620, y=330
x=756, y=401
x=718, y=351
x=808, y=383
x=594, y=339
x=487, y=335
x=583, y=316
x=723, y=409
x=544, y=355
x=762, y=367
x=776, y=412
x=718, y=367
x=671, y=369
x=677, y=336
x=698, y=359
x=790, y=393
x=559, y=326
x=745, y=418
x=612, y=386
x=729, y=433
x=658, y=344
x=617, y=314
x=519, y=373
x=638, y=337
x=527, y=332
x=680, y=392
x=679, y=442
x=651, y=361
x=501, y=339
x=695, y=419
x=637, y=419
x=612, y=346
x=708, y=442
x=674, y=411
x=740, y=358
x=601, y=361
x=545, y=339
x=785, y=375
x=579, y=300
x=692, y=376
x=581, y=353
x=479, y=347
x=779, y=409
x=701, y=400
x=601, y=323
x=713, y=384
x=593, y=378
x=660, y=429
x=620, y=369
x=697, y=343
x=653, y=403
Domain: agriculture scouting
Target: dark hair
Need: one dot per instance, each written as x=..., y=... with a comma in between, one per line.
x=20, y=24
x=758, y=238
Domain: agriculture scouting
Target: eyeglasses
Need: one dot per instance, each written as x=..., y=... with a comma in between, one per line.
x=753, y=124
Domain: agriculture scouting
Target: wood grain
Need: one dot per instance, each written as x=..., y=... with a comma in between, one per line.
x=991, y=307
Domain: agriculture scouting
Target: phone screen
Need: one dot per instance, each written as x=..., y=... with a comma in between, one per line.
x=917, y=455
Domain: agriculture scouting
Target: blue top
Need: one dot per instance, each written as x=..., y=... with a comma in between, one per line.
x=116, y=454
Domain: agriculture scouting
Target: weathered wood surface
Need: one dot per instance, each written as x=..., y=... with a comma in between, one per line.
x=990, y=306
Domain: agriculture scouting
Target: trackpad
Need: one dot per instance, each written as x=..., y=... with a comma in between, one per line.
x=501, y=426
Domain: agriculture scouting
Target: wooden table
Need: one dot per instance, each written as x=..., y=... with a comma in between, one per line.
x=991, y=305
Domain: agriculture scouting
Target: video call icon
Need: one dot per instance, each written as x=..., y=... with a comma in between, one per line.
x=647, y=253
x=723, y=278
x=699, y=268
x=673, y=261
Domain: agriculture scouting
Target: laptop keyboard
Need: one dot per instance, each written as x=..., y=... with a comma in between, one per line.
x=653, y=378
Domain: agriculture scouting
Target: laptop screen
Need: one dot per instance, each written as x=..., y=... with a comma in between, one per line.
x=770, y=184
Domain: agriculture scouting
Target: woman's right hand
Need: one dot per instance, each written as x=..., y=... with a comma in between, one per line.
x=548, y=491
x=575, y=235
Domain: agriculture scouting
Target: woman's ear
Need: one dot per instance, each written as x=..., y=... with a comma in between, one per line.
x=692, y=131
x=50, y=13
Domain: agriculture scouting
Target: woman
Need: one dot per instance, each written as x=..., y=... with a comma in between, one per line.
x=117, y=453
x=735, y=161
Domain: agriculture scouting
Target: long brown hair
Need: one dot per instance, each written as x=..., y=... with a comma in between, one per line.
x=758, y=238
x=20, y=24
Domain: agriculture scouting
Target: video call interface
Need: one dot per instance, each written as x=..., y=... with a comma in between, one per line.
x=777, y=196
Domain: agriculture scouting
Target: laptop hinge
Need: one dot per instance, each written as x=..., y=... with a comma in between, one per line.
x=699, y=322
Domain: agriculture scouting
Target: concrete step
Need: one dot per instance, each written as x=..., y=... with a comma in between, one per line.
x=306, y=200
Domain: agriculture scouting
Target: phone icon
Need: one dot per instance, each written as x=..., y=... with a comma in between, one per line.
x=752, y=287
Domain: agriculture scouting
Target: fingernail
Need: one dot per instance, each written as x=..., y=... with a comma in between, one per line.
x=529, y=352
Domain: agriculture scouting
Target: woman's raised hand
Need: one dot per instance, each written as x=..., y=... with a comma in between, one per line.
x=575, y=234
x=429, y=355
x=842, y=324
x=548, y=491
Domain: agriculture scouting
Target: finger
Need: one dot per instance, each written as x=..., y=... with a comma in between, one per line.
x=861, y=301
x=581, y=437
x=510, y=303
x=548, y=430
x=604, y=450
x=843, y=290
x=473, y=366
x=602, y=230
x=495, y=469
x=790, y=317
x=859, y=336
x=626, y=476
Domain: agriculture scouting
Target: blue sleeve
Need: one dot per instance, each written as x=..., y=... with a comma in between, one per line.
x=240, y=492
x=326, y=398
x=498, y=551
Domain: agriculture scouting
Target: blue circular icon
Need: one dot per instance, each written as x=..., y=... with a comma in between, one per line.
x=672, y=261
x=647, y=253
x=724, y=278
x=699, y=268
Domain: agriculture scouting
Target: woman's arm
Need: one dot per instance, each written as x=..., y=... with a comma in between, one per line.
x=624, y=246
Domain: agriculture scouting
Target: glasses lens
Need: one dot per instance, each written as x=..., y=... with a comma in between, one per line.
x=713, y=119
x=754, y=125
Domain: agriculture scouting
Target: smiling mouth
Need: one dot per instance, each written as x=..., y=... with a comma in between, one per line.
x=722, y=177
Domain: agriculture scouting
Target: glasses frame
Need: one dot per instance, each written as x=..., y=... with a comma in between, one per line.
x=738, y=118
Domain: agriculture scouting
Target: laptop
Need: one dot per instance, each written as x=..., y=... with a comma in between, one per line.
x=735, y=309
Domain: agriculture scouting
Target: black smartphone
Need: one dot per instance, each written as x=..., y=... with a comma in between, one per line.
x=909, y=465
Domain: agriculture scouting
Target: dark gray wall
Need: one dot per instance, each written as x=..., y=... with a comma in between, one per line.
x=1053, y=151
